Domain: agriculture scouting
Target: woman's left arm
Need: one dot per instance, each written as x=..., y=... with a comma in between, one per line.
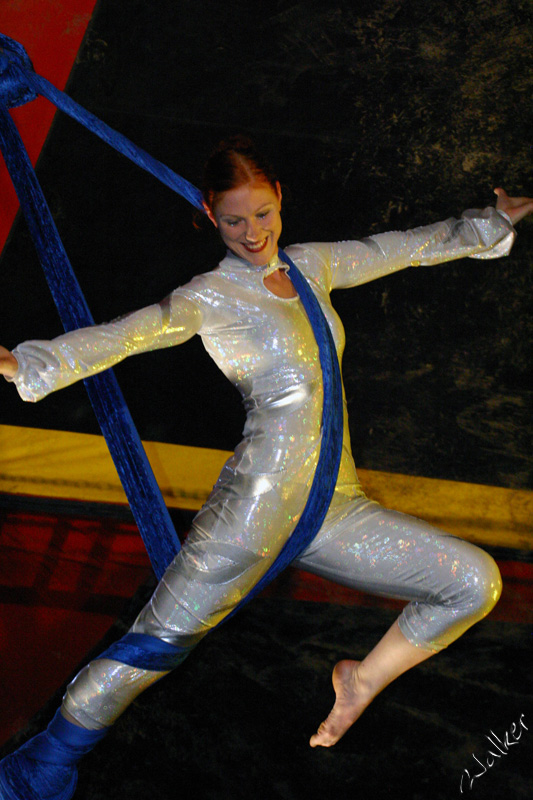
x=484, y=233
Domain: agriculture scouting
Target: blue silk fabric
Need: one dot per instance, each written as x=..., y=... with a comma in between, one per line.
x=19, y=84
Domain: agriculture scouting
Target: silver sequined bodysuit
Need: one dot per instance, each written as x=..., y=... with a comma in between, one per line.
x=265, y=346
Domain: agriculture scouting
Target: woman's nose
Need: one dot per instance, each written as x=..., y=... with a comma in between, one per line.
x=253, y=230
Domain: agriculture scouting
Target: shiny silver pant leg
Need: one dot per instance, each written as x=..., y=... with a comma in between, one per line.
x=208, y=577
x=450, y=583
x=234, y=540
x=103, y=690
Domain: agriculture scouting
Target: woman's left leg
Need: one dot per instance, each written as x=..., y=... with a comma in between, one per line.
x=450, y=583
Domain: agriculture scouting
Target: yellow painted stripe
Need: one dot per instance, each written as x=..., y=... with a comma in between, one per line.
x=77, y=466
x=487, y=515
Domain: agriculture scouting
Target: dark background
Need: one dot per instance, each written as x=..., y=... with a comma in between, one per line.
x=378, y=115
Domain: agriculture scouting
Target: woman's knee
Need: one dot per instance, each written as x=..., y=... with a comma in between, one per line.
x=470, y=593
x=481, y=585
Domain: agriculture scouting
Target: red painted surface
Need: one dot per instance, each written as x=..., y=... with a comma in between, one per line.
x=63, y=583
x=51, y=32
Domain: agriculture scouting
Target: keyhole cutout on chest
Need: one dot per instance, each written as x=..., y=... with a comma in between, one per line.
x=279, y=284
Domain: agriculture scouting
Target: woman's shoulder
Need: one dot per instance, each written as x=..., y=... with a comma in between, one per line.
x=203, y=287
x=312, y=251
x=313, y=259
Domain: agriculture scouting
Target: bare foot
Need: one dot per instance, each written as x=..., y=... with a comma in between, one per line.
x=350, y=703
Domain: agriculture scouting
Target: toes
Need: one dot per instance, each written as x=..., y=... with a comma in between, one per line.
x=318, y=740
x=323, y=737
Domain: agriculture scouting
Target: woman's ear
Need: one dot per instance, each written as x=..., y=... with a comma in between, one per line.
x=278, y=192
x=210, y=214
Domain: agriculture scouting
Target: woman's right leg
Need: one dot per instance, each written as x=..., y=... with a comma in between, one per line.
x=204, y=583
x=451, y=585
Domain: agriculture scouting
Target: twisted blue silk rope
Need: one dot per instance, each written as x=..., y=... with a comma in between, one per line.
x=146, y=652
x=49, y=746
x=125, y=446
x=19, y=84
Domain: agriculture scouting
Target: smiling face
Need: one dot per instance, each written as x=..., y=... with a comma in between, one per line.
x=249, y=221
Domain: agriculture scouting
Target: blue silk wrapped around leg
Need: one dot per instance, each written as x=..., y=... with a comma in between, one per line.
x=146, y=652
x=45, y=767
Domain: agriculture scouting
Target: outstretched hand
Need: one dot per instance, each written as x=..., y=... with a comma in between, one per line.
x=515, y=207
x=8, y=363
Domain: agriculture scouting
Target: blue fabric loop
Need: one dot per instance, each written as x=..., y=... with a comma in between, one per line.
x=117, y=141
x=63, y=742
x=146, y=652
x=20, y=84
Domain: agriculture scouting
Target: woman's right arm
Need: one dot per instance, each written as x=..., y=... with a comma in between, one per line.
x=40, y=367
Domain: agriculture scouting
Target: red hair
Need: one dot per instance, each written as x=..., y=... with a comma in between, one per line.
x=234, y=162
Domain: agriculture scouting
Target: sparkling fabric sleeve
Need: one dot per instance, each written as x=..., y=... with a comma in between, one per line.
x=45, y=366
x=478, y=234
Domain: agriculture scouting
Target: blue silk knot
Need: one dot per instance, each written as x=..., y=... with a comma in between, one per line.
x=14, y=89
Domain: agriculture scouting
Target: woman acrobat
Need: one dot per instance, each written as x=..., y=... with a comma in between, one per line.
x=252, y=323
